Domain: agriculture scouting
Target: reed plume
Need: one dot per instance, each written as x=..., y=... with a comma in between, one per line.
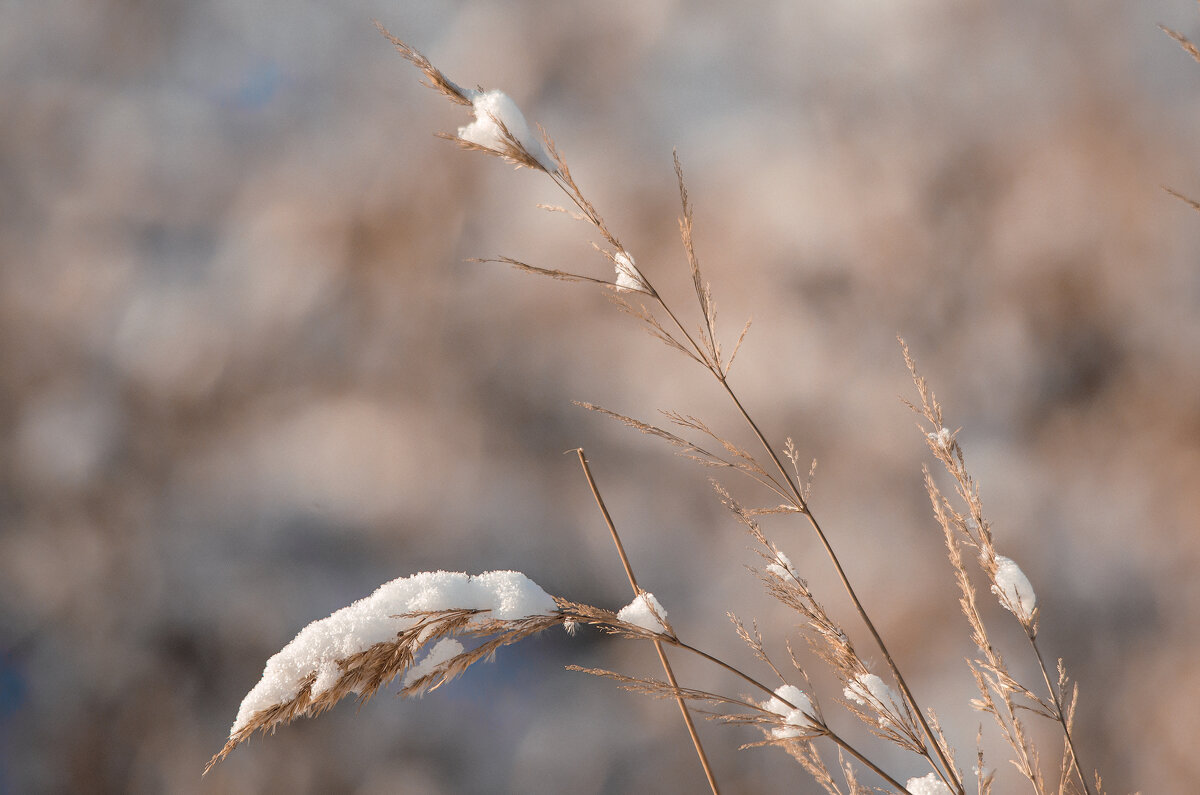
x=363, y=647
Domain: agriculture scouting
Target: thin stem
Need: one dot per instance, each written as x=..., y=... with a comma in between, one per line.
x=949, y=776
x=1058, y=709
x=825, y=730
x=850, y=749
x=662, y=655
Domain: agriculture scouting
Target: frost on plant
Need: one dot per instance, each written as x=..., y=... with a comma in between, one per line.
x=1014, y=589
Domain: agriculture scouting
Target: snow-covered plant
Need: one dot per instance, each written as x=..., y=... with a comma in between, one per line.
x=413, y=628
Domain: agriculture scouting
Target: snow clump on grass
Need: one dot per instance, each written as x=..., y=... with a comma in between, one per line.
x=444, y=649
x=784, y=569
x=494, y=113
x=629, y=278
x=1014, y=589
x=798, y=723
x=315, y=652
x=868, y=690
x=929, y=784
x=943, y=438
x=644, y=611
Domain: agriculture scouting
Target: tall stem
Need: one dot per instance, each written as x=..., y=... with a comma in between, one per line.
x=713, y=365
x=949, y=776
x=825, y=730
x=662, y=655
x=1062, y=719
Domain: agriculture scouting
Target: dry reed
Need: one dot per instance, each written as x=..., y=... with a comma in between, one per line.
x=790, y=716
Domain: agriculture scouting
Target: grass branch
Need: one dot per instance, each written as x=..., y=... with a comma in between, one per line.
x=658, y=647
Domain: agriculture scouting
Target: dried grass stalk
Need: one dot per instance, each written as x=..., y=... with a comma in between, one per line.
x=363, y=673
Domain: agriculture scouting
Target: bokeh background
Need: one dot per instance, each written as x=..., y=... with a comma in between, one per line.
x=247, y=373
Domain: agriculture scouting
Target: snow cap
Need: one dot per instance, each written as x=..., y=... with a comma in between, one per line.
x=444, y=649
x=504, y=595
x=494, y=108
x=796, y=722
x=784, y=569
x=1014, y=589
x=928, y=784
x=868, y=690
x=639, y=612
x=629, y=278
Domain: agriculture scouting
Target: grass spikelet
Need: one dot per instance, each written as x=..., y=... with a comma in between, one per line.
x=363, y=647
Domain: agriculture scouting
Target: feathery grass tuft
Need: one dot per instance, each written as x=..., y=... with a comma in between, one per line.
x=360, y=649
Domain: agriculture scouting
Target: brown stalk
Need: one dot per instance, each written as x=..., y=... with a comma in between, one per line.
x=687, y=718
x=952, y=458
x=824, y=729
x=1187, y=45
x=662, y=655
x=708, y=355
x=1195, y=205
x=948, y=776
x=1009, y=724
x=657, y=689
x=1058, y=713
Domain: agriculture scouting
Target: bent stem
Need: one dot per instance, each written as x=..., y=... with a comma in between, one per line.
x=946, y=771
x=662, y=655
x=1058, y=710
x=949, y=776
x=819, y=724
x=707, y=353
x=658, y=645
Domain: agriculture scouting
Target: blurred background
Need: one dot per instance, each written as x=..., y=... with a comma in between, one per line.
x=247, y=373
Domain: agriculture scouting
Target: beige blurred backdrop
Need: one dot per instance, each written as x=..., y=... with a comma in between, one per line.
x=247, y=373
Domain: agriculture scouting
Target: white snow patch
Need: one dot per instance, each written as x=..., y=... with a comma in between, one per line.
x=943, y=438
x=797, y=722
x=784, y=568
x=868, y=690
x=506, y=594
x=493, y=108
x=629, y=278
x=443, y=650
x=639, y=613
x=929, y=784
x=1014, y=589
